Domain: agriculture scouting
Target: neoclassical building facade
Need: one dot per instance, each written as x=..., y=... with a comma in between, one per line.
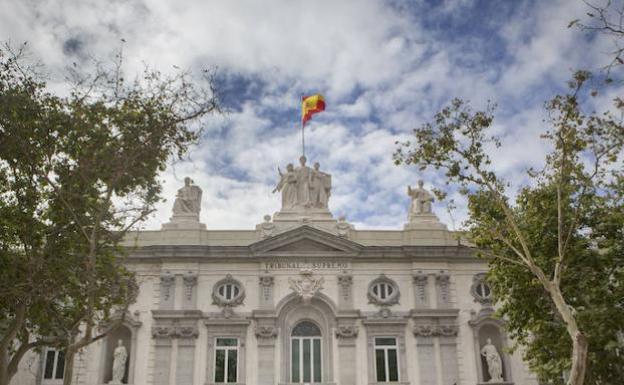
x=303, y=298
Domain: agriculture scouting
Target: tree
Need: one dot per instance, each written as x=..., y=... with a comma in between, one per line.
x=556, y=250
x=76, y=174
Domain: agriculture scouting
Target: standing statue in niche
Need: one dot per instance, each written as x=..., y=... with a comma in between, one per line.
x=494, y=362
x=321, y=187
x=288, y=186
x=120, y=356
x=421, y=200
x=188, y=199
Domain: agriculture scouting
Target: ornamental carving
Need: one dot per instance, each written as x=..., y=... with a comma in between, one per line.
x=431, y=330
x=480, y=290
x=190, y=280
x=383, y=291
x=306, y=287
x=163, y=332
x=228, y=292
x=424, y=330
x=266, y=331
x=167, y=280
x=347, y=331
x=421, y=280
x=444, y=280
x=190, y=331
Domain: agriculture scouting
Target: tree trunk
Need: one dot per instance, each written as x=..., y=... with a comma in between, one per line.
x=68, y=373
x=4, y=364
x=579, y=340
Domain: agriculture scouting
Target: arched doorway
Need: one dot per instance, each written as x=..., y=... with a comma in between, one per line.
x=306, y=353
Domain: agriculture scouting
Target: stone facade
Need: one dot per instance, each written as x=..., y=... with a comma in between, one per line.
x=409, y=307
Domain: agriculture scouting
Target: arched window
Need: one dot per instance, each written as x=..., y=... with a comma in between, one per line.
x=306, y=353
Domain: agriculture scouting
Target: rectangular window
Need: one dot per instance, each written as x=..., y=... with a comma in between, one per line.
x=386, y=361
x=305, y=360
x=226, y=360
x=54, y=366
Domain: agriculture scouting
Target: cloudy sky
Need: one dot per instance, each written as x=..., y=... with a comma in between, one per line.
x=384, y=68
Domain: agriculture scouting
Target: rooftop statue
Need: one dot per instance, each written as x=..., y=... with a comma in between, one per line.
x=304, y=188
x=421, y=200
x=188, y=199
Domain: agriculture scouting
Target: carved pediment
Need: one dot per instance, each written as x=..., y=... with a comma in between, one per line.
x=305, y=240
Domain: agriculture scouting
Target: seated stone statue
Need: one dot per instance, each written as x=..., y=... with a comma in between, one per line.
x=188, y=200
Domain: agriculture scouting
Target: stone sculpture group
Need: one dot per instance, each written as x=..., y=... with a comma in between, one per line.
x=304, y=187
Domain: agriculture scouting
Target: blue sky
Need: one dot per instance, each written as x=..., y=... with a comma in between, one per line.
x=384, y=68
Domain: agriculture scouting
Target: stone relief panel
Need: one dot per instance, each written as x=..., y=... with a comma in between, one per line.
x=306, y=286
x=189, y=281
x=421, y=292
x=345, y=290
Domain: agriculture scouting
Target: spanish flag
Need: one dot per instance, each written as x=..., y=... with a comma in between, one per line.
x=310, y=105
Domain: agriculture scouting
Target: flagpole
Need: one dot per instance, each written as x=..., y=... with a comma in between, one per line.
x=302, y=131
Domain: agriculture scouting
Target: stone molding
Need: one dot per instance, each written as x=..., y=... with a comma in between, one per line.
x=432, y=330
x=443, y=281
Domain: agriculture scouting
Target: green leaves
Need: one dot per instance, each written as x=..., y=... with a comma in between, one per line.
x=77, y=173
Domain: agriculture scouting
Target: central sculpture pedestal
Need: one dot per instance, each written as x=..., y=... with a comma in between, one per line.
x=184, y=222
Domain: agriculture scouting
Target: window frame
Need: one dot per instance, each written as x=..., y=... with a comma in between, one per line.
x=53, y=380
x=300, y=342
x=389, y=299
x=385, y=349
x=226, y=349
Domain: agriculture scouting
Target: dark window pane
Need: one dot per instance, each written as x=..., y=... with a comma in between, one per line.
x=295, y=360
x=228, y=291
x=486, y=291
x=385, y=341
x=306, y=361
x=236, y=290
x=221, y=291
x=376, y=289
x=220, y=365
x=232, y=356
x=49, y=364
x=390, y=290
x=226, y=341
x=306, y=329
x=380, y=365
x=382, y=294
x=317, y=359
x=393, y=368
x=60, y=365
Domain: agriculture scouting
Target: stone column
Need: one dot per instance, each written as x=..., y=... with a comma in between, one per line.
x=448, y=353
x=185, y=362
x=266, y=334
x=162, y=353
x=426, y=353
x=346, y=335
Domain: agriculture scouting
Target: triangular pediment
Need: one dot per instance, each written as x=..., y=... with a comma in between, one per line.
x=306, y=240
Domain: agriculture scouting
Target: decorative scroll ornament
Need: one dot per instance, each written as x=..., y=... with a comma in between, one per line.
x=266, y=331
x=167, y=280
x=306, y=286
x=190, y=280
x=228, y=292
x=347, y=331
x=431, y=330
x=163, y=332
x=425, y=330
x=189, y=331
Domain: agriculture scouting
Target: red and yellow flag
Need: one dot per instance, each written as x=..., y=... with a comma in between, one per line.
x=310, y=105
